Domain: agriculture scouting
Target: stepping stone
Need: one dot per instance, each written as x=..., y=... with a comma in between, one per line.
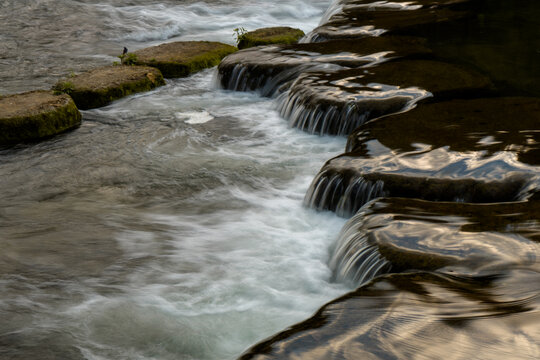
x=180, y=59
x=36, y=115
x=336, y=103
x=269, y=35
x=266, y=69
x=101, y=86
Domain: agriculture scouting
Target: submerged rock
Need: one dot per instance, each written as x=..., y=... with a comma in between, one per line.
x=101, y=86
x=266, y=69
x=337, y=102
x=270, y=35
x=36, y=115
x=179, y=59
x=487, y=124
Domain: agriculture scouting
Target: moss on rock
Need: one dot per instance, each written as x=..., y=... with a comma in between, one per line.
x=103, y=85
x=179, y=59
x=270, y=35
x=36, y=115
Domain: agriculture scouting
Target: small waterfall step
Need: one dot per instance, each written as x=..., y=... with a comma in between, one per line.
x=337, y=102
x=266, y=69
x=400, y=234
x=458, y=150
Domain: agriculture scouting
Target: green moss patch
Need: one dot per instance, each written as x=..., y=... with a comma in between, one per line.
x=180, y=59
x=101, y=86
x=271, y=35
x=36, y=115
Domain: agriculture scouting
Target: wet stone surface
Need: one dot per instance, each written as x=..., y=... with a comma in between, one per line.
x=490, y=125
x=410, y=234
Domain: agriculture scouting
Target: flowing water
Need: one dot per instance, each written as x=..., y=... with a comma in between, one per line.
x=169, y=225
x=181, y=224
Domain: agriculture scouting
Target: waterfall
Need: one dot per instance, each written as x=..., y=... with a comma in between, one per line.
x=341, y=193
x=354, y=259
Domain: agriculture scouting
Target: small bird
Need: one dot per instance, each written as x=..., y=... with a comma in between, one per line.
x=125, y=51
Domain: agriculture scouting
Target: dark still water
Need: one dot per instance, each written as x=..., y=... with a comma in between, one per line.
x=181, y=223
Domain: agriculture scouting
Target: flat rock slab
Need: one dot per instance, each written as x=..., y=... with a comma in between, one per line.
x=101, y=86
x=179, y=59
x=270, y=35
x=337, y=102
x=36, y=115
x=266, y=69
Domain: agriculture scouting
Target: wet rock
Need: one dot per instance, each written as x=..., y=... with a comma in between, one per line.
x=407, y=234
x=346, y=183
x=36, y=115
x=180, y=59
x=419, y=315
x=101, y=86
x=270, y=35
x=267, y=69
x=337, y=102
x=356, y=19
x=489, y=124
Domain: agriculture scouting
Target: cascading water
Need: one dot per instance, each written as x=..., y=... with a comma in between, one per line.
x=340, y=193
x=354, y=259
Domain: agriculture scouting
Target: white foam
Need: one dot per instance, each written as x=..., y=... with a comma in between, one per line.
x=195, y=117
